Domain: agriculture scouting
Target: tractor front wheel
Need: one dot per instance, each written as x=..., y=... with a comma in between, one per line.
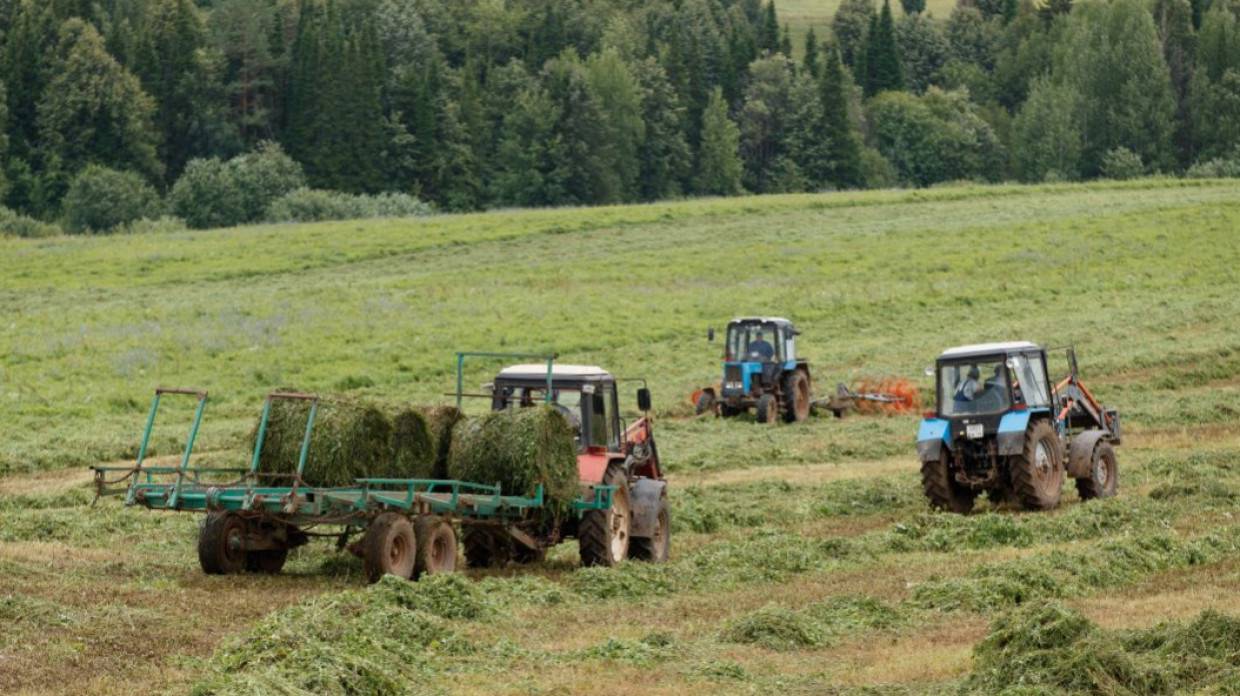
x=389, y=547
x=1103, y=479
x=603, y=535
x=796, y=397
x=436, y=546
x=942, y=490
x=767, y=409
x=221, y=544
x=1037, y=473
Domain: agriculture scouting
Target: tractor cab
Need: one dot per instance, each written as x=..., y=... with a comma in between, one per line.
x=585, y=395
x=756, y=353
x=1001, y=426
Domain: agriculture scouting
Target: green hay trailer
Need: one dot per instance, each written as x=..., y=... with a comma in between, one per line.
x=254, y=518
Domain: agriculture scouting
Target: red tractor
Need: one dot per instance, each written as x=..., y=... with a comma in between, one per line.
x=637, y=524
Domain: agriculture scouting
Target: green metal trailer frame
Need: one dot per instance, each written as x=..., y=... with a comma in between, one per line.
x=301, y=504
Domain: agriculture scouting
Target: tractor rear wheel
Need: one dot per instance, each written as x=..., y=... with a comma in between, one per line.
x=390, y=547
x=796, y=397
x=603, y=535
x=1037, y=473
x=767, y=410
x=484, y=547
x=942, y=490
x=655, y=548
x=1103, y=480
x=221, y=544
x=436, y=546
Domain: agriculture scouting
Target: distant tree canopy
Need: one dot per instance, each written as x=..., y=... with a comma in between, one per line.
x=470, y=105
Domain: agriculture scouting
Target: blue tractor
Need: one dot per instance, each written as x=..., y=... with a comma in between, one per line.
x=1000, y=426
x=761, y=371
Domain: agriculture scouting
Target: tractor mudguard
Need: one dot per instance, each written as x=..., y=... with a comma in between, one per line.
x=644, y=497
x=931, y=436
x=1081, y=452
x=1011, y=437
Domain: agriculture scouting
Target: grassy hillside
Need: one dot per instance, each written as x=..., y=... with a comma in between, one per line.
x=800, y=15
x=803, y=558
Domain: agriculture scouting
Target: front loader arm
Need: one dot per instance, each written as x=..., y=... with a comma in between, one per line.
x=639, y=444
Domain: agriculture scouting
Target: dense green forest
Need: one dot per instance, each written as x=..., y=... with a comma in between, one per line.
x=229, y=111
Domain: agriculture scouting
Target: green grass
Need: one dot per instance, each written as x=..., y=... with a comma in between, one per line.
x=804, y=559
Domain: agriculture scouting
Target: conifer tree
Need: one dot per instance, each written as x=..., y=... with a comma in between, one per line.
x=844, y=147
x=810, y=62
x=882, y=59
x=719, y=163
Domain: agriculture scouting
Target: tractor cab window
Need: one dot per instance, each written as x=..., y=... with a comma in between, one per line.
x=603, y=417
x=566, y=401
x=975, y=387
x=1029, y=380
x=755, y=342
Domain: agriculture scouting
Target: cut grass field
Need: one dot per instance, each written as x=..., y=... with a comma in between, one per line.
x=804, y=559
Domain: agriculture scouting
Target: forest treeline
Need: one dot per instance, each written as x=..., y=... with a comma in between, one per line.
x=230, y=111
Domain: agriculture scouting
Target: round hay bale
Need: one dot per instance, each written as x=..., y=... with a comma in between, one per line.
x=413, y=447
x=518, y=450
x=440, y=421
x=351, y=439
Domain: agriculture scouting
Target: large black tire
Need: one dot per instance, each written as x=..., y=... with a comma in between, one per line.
x=603, y=535
x=389, y=547
x=221, y=544
x=1103, y=481
x=705, y=403
x=656, y=548
x=796, y=397
x=485, y=547
x=436, y=546
x=942, y=490
x=767, y=410
x=1038, y=472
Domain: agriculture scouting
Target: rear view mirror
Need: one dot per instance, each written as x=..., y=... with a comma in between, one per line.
x=710, y=334
x=643, y=399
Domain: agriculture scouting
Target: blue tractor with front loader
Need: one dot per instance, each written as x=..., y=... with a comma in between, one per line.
x=1001, y=427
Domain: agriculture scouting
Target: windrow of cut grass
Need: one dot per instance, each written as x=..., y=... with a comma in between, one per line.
x=1052, y=649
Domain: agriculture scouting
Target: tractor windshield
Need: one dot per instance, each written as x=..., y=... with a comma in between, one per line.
x=566, y=401
x=973, y=388
x=752, y=342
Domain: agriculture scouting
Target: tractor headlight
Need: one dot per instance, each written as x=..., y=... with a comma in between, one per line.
x=733, y=385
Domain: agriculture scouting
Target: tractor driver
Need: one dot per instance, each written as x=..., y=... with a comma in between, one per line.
x=760, y=349
x=967, y=389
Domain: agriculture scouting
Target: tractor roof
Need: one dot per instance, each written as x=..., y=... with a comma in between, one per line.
x=764, y=320
x=538, y=372
x=980, y=349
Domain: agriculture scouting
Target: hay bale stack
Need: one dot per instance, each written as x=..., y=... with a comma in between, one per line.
x=518, y=450
x=440, y=421
x=413, y=447
x=351, y=439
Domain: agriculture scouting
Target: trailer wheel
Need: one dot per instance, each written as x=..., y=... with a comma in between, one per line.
x=603, y=535
x=705, y=402
x=942, y=490
x=656, y=548
x=436, y=546
x=796, y=397
x=221, y=544
x=1103, y=480
x=767, y=410
x=389, y=547
x=1037, y=473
